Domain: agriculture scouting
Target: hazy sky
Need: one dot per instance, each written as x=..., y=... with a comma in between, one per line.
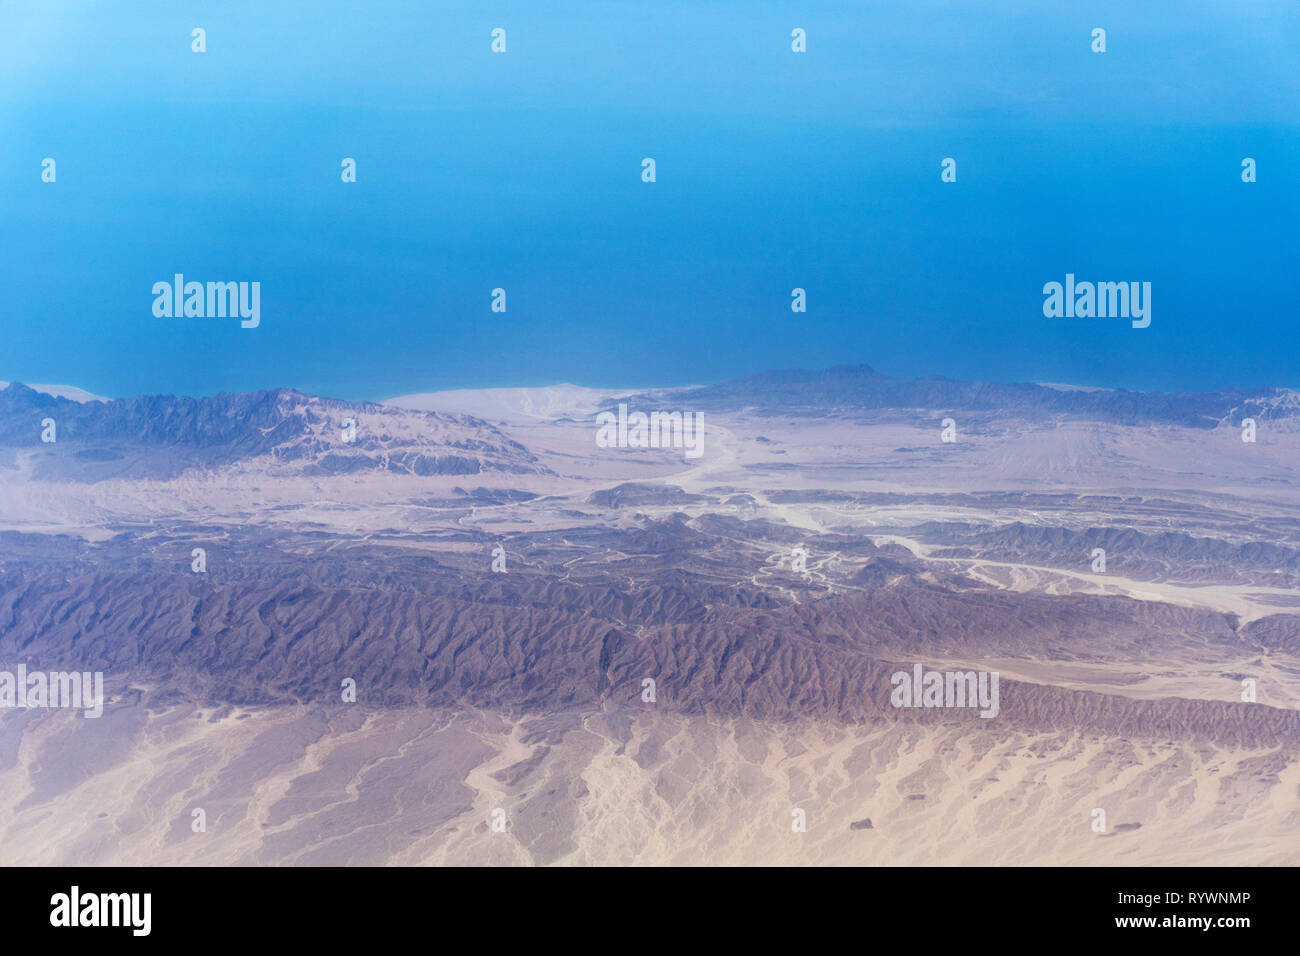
x=523, y=171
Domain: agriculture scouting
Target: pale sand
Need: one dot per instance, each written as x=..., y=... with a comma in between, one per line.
x=288, y=785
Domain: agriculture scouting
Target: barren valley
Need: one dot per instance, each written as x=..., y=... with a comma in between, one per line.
x=499, y=589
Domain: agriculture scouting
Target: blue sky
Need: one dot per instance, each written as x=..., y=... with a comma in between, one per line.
x=522, y=171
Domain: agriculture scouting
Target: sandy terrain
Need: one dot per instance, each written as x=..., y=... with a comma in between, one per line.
x=642, y=561
x=290, y=785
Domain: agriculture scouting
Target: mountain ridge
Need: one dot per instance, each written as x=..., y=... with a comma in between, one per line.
x=860, y=388
x=163, y=435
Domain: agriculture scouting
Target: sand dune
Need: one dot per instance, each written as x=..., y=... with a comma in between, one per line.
x=419, y=787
